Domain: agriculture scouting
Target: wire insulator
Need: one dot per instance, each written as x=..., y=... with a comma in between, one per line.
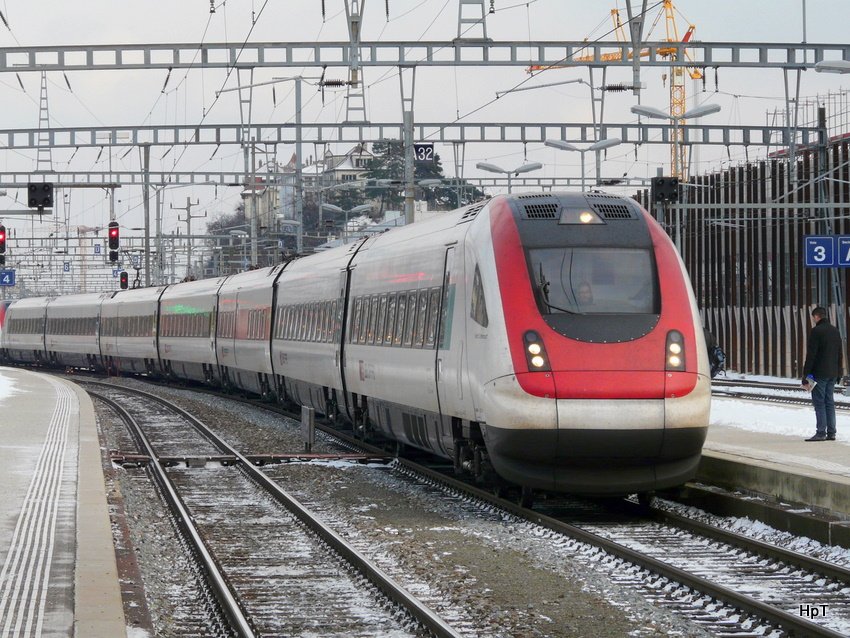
x=616, y=88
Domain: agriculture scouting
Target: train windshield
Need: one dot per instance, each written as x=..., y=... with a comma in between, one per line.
x=586, y=281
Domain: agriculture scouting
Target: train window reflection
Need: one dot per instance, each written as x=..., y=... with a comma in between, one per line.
x=390, y=324
x=433, y=308
x=399, y=324
x=410, y=319
x=373, y=318
x=594, y=280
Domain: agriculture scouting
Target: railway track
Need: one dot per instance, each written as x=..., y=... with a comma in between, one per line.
x=272, y=567
x=783, y=393
x=738, y=585
x=719, y=580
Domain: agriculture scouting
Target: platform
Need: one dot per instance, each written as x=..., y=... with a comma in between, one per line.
x=58, y=575
x=806, y=484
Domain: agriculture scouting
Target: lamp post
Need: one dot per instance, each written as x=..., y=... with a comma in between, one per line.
x=698, y=111
x=336, y=209
x=596, y=146
x=525, y=168
x=243, y=235
x=833, y=66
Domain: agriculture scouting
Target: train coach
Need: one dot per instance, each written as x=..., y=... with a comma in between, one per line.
x=551, y=337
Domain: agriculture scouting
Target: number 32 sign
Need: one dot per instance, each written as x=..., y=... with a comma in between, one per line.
x=423, y=152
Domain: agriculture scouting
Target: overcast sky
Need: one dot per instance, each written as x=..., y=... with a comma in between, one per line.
x=135, y=97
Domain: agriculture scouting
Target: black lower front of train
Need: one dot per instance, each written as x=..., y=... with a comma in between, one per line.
x=596, y=462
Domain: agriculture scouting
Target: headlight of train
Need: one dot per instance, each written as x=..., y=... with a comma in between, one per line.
x=675, y=355
x=535, y=352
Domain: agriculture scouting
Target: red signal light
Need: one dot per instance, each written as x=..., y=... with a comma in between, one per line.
x=113, y=235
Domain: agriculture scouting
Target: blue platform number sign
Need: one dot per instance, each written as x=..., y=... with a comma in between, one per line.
x=7, y=277
x=66, y=266
x=844, y=251
x=97, y=249
x=820, y=251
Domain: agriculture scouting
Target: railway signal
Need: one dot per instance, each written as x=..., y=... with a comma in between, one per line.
x=665, y=189
x=40, y=195
x=124, y=280
x=114, y=241
x=2, y=245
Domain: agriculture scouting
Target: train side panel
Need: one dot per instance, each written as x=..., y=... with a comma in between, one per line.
x=23, y=333
x=187, y=330
x=128, y=331
x=306, y=348
x=397, y=298
x=243, y=327
x=72, y=330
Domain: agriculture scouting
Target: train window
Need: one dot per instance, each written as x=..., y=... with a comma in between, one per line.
x=421, y=318
x=285, y=313
x=288, y=321
x=398, y=333
x=410, y=319
x=594, y=280
x=389, y=326
x=316, y=321
x=310, y=322
x=329, y=321
x=297, y=318
x=322, y=317
x=433, y=308
x=379, y=325
x=354, y=327
x=330, y=308
x=373, y=318
x=478, y=309
x=278, y=322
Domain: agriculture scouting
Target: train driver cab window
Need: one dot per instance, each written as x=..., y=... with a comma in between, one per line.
x=584, y=281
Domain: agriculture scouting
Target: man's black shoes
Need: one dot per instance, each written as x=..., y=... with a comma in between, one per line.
x=818, y=437
x=830, y=437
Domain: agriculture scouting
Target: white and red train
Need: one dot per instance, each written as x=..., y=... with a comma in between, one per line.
x=554, y=336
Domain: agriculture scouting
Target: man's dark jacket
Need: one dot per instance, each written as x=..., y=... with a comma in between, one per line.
x=823, y=354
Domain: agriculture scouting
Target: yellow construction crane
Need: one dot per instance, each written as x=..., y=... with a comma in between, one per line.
x=678, y=93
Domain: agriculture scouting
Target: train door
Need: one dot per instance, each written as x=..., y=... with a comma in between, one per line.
x=449, y=347
x=340, y=336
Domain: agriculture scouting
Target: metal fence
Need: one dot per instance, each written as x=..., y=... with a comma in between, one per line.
x=741, y=238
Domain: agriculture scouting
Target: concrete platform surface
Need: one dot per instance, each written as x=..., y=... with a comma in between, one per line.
x=58, y=575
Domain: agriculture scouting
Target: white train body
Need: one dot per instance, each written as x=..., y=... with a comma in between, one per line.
x=554, y=335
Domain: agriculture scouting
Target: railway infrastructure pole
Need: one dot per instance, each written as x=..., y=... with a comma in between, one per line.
x=146, y=148
x=407, y=115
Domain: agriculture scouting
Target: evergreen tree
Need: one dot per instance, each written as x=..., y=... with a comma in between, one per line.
x=388, y=164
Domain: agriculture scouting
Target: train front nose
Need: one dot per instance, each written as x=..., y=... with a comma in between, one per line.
x=609, y=433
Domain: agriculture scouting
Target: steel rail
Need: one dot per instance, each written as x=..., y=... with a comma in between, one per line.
x=385, y=583
x=745, y=603
x=808, y=563
x=225, y=596
x=794, y=624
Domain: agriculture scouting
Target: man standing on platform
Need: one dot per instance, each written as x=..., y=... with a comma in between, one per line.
x=822, y=368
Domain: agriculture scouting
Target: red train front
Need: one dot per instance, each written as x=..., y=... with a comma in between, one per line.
x=602, y=384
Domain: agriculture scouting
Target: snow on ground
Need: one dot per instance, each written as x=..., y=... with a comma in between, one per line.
x=788, y=420
x=7, y=387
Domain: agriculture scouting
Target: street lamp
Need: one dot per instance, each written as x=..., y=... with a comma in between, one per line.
x=698, y=111
x=336, y=209
x=596, y=146
x=525, y=168
x=833, y=66
x=244, y=235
